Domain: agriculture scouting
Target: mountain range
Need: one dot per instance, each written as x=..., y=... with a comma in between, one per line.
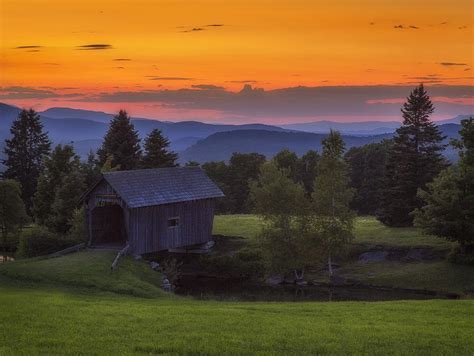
x=199, y=141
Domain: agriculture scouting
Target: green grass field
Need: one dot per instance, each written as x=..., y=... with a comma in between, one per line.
x=439, y=276
x=368, y=230
x=75, y=305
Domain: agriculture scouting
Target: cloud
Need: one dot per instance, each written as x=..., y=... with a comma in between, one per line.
x=194, y=29
x=169, y=78
x=294, y=102
x=119, y=67
x=207, y=87
x=121, y=59
x=18, y=92
x=28, y=47
x=448, y=64
x=51, y=64
x=462, y=27
x=94, y=47
x=215, y=25
x=250, y=81
x=406, y=27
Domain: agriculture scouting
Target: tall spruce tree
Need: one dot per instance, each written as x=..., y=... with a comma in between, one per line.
x=156, y=153
x=25, y=151
x=413, y=161
x=122, y=143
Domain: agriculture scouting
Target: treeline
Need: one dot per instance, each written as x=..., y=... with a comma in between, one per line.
x=396, y=180
x=44, y=185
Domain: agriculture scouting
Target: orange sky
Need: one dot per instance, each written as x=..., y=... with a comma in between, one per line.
x=271, y=44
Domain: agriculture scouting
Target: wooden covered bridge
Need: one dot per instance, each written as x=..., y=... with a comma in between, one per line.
x=151, y=210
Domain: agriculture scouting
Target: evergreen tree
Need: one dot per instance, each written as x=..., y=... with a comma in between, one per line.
x=122, y=142
x=12, y=211
x=156, y=151
x=91, y=170
x=448, y=209
x=24, y=153
x=332, y=196
x=367, y=172
x=62, y=162
x=413, y=161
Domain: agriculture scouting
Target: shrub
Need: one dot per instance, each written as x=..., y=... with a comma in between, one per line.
x=77, y=232
x=245, y=264
x=39, y=241
x=466, y=258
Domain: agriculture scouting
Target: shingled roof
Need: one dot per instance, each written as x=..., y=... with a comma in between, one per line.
x=147, y=187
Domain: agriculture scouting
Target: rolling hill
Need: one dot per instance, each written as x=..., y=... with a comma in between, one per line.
x=220, y=146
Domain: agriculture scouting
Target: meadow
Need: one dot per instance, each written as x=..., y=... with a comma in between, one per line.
x=76, y=305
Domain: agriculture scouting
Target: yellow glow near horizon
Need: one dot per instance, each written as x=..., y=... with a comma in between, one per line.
x=275, y=44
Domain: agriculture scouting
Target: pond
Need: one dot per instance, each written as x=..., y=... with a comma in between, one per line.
x=215, y=289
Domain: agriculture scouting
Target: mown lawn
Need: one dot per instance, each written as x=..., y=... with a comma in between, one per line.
x=368, y=230
x=58, y=307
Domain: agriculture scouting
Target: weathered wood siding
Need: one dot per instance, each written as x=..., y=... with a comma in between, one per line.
x=147, y=227
x=149, y=230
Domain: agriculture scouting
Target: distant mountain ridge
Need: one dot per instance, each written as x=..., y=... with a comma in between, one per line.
x=220, y=146
x=202, y=142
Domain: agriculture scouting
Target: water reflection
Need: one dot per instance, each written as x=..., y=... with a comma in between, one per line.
x=208, y=289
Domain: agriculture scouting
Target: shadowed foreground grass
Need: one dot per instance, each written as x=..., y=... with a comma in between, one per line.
x=54, y=322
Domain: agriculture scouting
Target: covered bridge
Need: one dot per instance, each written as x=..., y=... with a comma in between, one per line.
x=151, y=209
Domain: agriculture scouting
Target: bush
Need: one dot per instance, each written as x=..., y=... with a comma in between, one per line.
x=39, y=241
x=245, y=264
x=458, y=257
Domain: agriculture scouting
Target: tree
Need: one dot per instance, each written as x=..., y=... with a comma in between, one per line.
x=367, y=173
x=308, y=164
x=156, y=151
x=413, y=161
x=61, y=163
x=219, y=172
x=12, y=210
x=91, y=170
x=282, y=204
x=122, y=143
x=24, y=153
x=331, y=198
x=448, y=209
x=66, y=200
x=243, y=168
x=285, y=159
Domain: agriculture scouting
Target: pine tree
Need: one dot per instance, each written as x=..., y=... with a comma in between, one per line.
x=448, y=209
x=62, y=162
x=156, y=151
x=25, y=152
x=122, y=142
x=12, y=211
x=332, y=196
x=413, y=160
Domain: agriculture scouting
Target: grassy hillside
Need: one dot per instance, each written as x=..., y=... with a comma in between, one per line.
x=88, y=270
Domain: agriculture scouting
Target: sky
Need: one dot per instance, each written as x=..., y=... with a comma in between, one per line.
x=236, y=61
